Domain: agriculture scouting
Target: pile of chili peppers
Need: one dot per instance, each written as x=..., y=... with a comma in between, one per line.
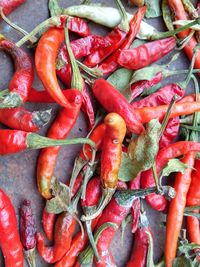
x=141, y=130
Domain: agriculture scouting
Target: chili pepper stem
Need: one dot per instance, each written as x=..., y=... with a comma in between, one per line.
x=162, y=35
x=3, y=93
x=124, y=24
x=30, y=257
x=11, y=100
x=157, y=181
x=91, y=239
x=37, y=141
x=41, y=118
x=94, y=72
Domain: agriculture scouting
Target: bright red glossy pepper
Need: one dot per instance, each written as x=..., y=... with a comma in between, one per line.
x=110, y=64
x=9, y=5
x=21, y=82
x=176, y=209
x=113, y=101
x=146, y=54
x=22, y=119
x=59, y=130
x=177, y=149
x=9, y=242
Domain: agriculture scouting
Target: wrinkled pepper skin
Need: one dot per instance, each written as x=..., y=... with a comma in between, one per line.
x=9, y=5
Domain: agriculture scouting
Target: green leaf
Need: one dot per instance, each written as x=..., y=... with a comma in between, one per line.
x=174, y=165
x=61, y=202
x=126, y=171
x=182, y=262
x=143, y=150
x=147, y=73
x=153, y=9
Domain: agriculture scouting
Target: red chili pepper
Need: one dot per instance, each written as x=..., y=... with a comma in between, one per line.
x=80, y=47
x=64, y=229
x=78, y=26
x=22, y=119
x=141, y=244
x=180, y=14
x=59, y=130
x=177, y=149
x=9, y=241
x=146, y=54
x=110, y=64
x=113, y=101
x=9, y=5
x=45, y=62
x=193, y=199
x=176, y=209
x=21, y=82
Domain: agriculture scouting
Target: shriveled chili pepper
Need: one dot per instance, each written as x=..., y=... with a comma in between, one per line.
x=177, y=149
x=176, y=209
x=9, y=5
x=22, y=119
x=116, y=38
x=141, y=244
x=10, y=241
x=64, y=229
x=14, y=141
x=180, y=14
x=28, y=231
x=21, y=82
x=193, y=199
x=79, y=26
x=110, y=64
x=113, y=101
x=59, y=130
x=146, y=54
x=80, y=47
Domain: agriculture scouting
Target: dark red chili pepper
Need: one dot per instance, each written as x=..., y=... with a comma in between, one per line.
x=64, y=229
x=9, y=5
x=28, y=231
x=141, y=244
x=21, y=82
x=59, y=130
x=22, y=119
x=110, y=64
x=113, y=101
x=177, y=149
x=80, y=47
x=9, y=242
x=146, y=54
x=79, y=26
x=176, y=209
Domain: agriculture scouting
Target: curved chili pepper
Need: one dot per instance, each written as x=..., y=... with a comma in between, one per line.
x=22, y=119
x=113, y=101
x=146, y=54
x=180, y=14
x=176, y=209
x=21, y=82
x=110, y=64
x=59, y=130
x=193, y=199
x=9, y=5
x=177, y=149
x=45, y=62
x=9, y=241
x=80, y=47
x=64, y=229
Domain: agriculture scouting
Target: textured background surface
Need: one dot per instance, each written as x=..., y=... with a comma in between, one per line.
x=17, y=172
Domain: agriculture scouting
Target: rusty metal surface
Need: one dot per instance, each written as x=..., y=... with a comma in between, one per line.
x=17, y=172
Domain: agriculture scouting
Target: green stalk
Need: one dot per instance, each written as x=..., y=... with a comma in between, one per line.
x=167, y=15
x=190, y=9
x=124, y=24
x=54, y=8
x=30, y=257
x=77, y=80
x=4, y=93
x=11, y=100
x=94, y=72
x=150, y=262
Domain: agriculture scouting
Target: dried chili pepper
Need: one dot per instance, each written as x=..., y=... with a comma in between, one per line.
x=80, y=48
x=22, y=119
x=58, y=130
x=141, y=244
x=177, y=149
x=10, y=240
x=79, y=26
x=146, y=54
x=110, y=64
x=14, y=141
x=21, y=82
x=9, y=5
x=116, y=38
x=176, y=209
x=138, y=3
x=28, y=231
x=113, y=101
